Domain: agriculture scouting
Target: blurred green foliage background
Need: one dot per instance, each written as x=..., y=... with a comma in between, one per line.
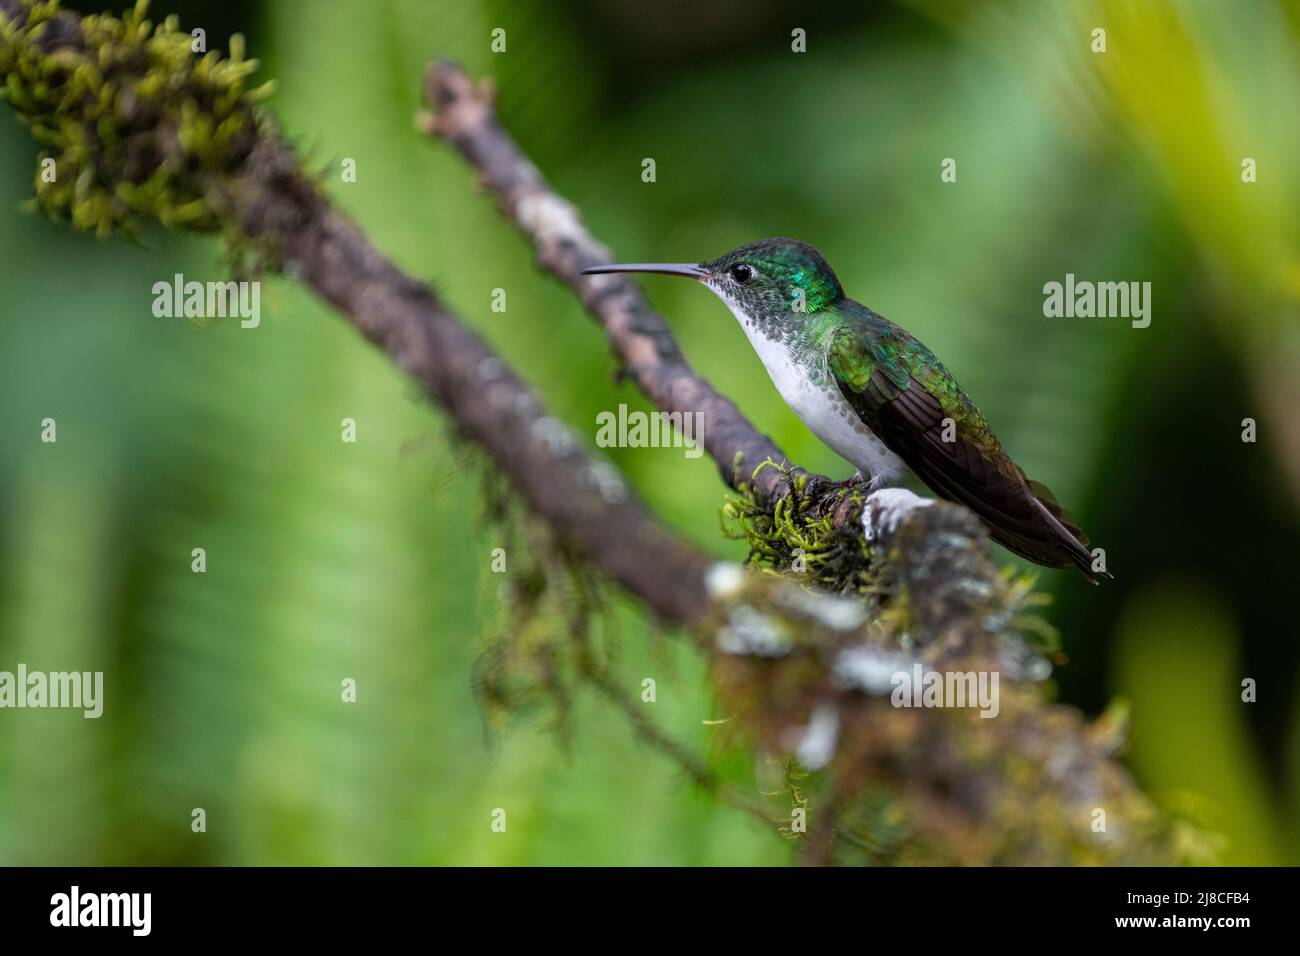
x=329, y=560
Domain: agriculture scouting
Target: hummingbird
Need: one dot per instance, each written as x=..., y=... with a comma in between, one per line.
x=877, y=396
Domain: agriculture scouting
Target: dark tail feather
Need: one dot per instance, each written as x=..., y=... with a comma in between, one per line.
x=1065, y=542
x=1028, y=522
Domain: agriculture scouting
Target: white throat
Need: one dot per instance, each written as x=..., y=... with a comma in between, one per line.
x=819, y=406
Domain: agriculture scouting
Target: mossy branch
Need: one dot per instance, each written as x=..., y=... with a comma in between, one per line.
x=149, y=132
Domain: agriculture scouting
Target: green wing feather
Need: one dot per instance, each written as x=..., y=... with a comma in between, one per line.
x=902, y=391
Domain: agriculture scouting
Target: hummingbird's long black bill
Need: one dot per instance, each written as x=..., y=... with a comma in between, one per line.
x=688, y=269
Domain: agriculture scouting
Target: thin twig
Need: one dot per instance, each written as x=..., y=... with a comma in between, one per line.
x=464, y=116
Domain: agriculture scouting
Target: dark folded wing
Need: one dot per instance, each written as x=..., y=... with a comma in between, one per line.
x=951, y=448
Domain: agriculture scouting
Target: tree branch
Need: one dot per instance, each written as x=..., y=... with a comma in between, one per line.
x=464, y=116
x=583, y=499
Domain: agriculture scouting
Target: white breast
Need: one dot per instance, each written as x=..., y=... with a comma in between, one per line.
x=822, y=408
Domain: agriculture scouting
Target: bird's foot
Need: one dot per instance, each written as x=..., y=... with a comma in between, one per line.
x=874, y=483
x=818, y=487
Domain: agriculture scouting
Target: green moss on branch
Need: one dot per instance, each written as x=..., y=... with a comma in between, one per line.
x=816, y=537
x=134, y=122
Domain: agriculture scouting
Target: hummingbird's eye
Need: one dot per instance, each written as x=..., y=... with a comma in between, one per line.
x=741, y=272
